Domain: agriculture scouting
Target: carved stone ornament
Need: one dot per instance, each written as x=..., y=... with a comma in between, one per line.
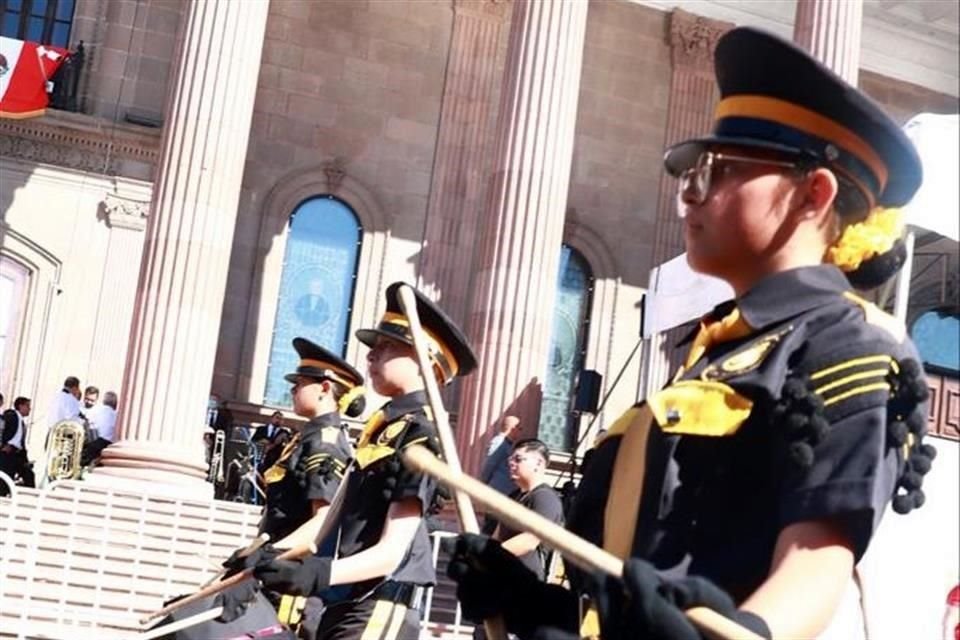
x=693, y=39
x=334, y=171
x=125, y=213
x=76, y=145
x=495, y=9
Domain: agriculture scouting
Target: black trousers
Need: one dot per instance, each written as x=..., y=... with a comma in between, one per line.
x=378, y=619
x=15, y=464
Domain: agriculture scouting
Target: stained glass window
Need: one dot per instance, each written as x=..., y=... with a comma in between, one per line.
x=43, y=21
x=937, y=336
x=316, y=287
x=568, y=348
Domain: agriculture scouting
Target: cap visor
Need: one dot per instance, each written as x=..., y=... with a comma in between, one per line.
x=369, y=337
x=683, y=155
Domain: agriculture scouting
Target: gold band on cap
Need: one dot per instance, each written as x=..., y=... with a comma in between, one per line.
x=342, y=376
x=807, y=121
x=401, y=320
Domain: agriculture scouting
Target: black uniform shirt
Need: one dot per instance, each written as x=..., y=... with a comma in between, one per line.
x=714, y=505
x=544, y=500
x=312, y=472
x=379, y=479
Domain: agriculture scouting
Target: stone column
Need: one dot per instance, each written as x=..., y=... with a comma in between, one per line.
x=693, y=96
x=830, y=31
x=127, y=219
x=519, y=250
x=467, y=123
x=189, y=234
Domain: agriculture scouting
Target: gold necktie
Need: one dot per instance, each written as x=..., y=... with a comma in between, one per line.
x=279, y=469
x=374, y=422
x=731, y=327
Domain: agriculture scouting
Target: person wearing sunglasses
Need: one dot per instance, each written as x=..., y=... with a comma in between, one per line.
x=753, y=482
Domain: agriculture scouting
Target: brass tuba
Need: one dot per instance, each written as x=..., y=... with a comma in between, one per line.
x=66, y=448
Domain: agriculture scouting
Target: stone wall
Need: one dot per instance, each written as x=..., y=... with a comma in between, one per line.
x=129, y=46
x=352, y=82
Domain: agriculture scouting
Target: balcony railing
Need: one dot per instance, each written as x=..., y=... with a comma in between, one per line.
x=66, y=81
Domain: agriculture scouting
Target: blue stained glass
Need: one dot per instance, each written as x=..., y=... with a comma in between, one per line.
x=61, y=34
x=39, y=8
x=64, y=10
x=14, y=5
x=34, y=30
x=568, y=345
x=316, y=287
x=11, y=23
x=937, y=337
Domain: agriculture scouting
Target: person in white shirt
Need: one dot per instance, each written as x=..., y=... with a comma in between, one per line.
x=13, y=445
x=66, y=404
x=103, y=420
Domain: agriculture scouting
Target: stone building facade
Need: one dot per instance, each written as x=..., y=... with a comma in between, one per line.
x=471, y=140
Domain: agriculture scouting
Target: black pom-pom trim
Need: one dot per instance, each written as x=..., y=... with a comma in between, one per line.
x=920, y=463
x=929, y=451
x=897, y=431
x=818, y=428
x=903, y=504
x=917, y=422
x=801, y=454
x=794, y=389
x=796, y=424
x=919, y=498
x=911, y=481
x=874, y=272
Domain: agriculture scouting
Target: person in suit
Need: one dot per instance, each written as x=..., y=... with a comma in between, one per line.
x=13, y=445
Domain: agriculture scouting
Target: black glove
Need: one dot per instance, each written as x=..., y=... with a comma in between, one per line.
x=643, y=605
x=238, y=562
x=235, y=600
x=492, y=582
x=695, y=591
x=303, y=577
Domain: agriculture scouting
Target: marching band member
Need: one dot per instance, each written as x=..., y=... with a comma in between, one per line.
x=384, y=553
x=302, y=482
x=753, y=482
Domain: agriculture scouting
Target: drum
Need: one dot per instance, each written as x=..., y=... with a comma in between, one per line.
x=259, y=622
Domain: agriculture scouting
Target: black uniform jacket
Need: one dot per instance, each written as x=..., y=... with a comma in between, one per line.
x=312, y=471
x=785, y=425
x=379, y=479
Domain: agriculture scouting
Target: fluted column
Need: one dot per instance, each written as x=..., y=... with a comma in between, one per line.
x=127, y=220
x=830, y=31
x=189, y=234
x=693, y=96
x=516, y=268
x=467, y=123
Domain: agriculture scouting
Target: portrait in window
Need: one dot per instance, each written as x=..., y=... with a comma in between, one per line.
x=568, y=348
x=316, y=287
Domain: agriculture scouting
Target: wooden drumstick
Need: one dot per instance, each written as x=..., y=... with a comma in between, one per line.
x=223, y=585
x=495, y=628
x=178, y=625
x=580, y=552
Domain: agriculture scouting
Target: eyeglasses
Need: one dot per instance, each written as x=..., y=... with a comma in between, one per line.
x=695, y=182
x=516, y=458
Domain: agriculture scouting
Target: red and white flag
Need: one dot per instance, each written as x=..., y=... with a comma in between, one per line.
x=25, y=69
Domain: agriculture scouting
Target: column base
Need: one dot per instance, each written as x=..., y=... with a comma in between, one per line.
x=152, y=467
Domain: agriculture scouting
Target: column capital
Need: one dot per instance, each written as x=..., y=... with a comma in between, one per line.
x=124, y=213
x=693, y=39
x=489, y=9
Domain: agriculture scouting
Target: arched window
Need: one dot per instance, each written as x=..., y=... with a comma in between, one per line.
x=13, y=300
x=316, y=287
x=568, y=348
x=937, y=336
